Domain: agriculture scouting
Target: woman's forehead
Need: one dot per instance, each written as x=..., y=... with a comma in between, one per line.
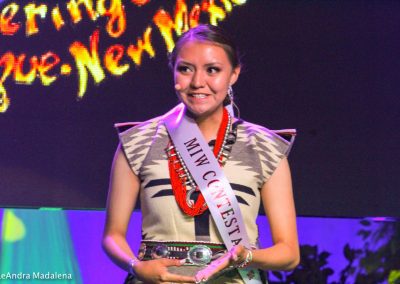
x=202, y=46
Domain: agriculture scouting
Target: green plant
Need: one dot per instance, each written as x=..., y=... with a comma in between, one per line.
x=312, y=268
x=379, y=259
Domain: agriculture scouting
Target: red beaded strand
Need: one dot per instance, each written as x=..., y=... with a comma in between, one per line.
x=179, y=177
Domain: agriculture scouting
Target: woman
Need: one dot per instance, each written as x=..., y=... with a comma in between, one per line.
x=182, y=241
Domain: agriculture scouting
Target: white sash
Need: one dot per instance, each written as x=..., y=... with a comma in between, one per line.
x=214, y=186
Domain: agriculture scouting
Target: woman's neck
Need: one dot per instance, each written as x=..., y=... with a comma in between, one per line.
x=209, y=125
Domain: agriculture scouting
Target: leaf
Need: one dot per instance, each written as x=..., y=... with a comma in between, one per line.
x=364, y=234
x=324, y=255
x=394, y=277
x=348, y=253
x=308, y=250
x=365, y=222
x=352, y=270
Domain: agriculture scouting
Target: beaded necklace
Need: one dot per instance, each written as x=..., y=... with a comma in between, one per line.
x=183, y=185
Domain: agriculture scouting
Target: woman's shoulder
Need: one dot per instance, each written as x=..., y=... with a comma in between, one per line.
x=252, y=129
x=281, y=139
x=137, y=138
x=128, y=130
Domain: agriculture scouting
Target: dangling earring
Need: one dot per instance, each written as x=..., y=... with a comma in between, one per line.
x=230, y=94
x=229, y=101
x=232, y=103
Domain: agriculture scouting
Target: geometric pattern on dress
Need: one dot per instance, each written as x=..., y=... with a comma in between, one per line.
x=270, y=146
x=136, y=142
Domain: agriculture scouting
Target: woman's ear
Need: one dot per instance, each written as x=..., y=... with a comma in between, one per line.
x=235, y=75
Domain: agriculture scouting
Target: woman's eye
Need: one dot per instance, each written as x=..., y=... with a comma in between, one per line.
x=183, y=69
x=213, y=70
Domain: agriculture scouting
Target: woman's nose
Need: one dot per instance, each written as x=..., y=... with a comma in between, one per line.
x=198, y=80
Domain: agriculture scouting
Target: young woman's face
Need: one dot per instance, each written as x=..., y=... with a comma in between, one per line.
x=202, y=74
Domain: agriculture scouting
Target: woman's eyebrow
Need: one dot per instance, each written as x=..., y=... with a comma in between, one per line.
x=184, y=62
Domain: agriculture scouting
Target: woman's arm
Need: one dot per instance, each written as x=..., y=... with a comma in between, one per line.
x=122, y=196
x=277, y=198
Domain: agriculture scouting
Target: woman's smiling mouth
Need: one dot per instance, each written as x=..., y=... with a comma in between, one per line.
x=198, y=96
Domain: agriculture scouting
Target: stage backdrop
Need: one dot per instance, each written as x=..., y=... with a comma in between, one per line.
x=70, y=69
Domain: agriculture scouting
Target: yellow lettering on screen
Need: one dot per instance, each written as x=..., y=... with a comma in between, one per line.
x=87, y=58
x=116, y=24
x=7, y=61
x=87, y=61
x=111, y=60
x=47, y=62
x=165, y=24
x=4, y=100
x=65, y=69
x=135, y=52
x=239, y=2
x=31, y=10
x=7, y=27
x=194, y=16
x=30, y=76
x=140, y=2
x=179, y=24
x=216, y=13
x=181, y=17
x=227, y=5
x=73, y=8
x=57, y=18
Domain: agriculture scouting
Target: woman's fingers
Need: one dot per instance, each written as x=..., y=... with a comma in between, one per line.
x=236, y=255
x=176, y=278
x=213, y=268
x=156, y=271
x=172, y=262
x=164, y=276
x=169, y=277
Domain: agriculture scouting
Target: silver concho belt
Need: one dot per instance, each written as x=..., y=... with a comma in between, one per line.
x=194, y=253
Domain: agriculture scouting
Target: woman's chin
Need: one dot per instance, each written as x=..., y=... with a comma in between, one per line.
x=197, y=111
x=201, y=115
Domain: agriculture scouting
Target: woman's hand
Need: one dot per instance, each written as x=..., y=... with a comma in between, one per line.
x=236, y=256
x=156, y=271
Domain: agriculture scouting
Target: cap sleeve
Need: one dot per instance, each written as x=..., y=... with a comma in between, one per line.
x=136, y=141
x=272, y=146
